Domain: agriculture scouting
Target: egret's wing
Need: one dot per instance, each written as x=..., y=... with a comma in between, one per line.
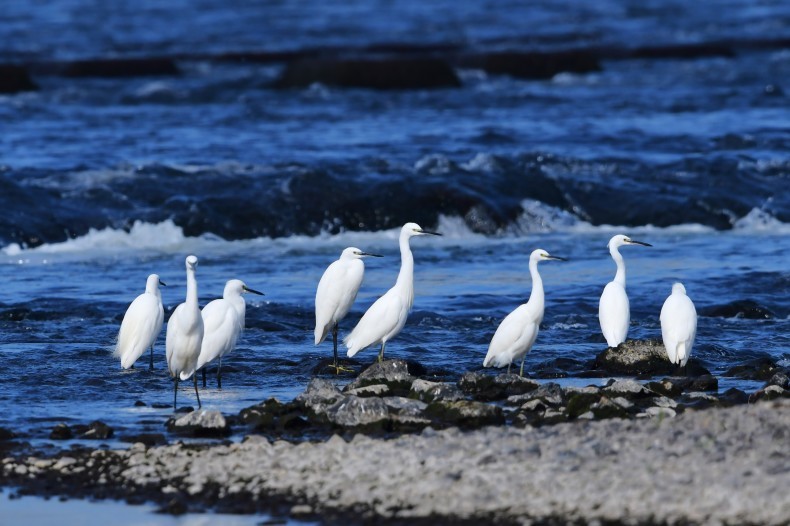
x=514, y=335
x=220, y=331
x=383, y=316
x=336, y=292
x=614, y=314
x=140, y=326
x=678, y=327
x=173, y=330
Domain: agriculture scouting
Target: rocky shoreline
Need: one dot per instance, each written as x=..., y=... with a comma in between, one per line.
x=393, y=446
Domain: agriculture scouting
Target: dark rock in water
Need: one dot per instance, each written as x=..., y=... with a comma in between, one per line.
x=370, y=390
x=14, y=79
x=432, y=391
x=675, y=385
x=558, y=368
x=120, y=67
x=200, y=423
x=160, y=405
x=184, y=409
x=770, y=392
x=388, y=73
x=534, y=65
x=635, y=357
x=6, y=434
x=61, y=432
x=629, y=389
x=733, y=396
x=94, y=431
x=486, y=388
x=550, y=393
x=607, y=408
x=402, y=406
x=273, y=415
x=319, y=396
x=356, y=412
x=395, y=374
x=148, y=439
x=683, y=51
x=581, y=400
x=760, y=368
x=698, y=400
x=781, y=379
x=748, y=309
x=465, y=413
x=139, y=403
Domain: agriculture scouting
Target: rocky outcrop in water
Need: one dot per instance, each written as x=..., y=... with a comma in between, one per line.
x=15, y=79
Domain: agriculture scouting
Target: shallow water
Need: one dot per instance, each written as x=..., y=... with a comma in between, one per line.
x=103, y=181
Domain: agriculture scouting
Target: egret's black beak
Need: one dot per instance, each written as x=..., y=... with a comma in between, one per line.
x=370, y=255
x=430, y=233
x=635, y=242
x=556, y=257
x=162, y=283
x=253, y=291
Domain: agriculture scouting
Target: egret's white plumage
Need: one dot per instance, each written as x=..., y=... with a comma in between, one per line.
x=337, y=291
x=517, y=333
x=678, y=325
x=387, y=316
x=141, y=325
x=185, y=334
x=223, y=323
x=613, y=309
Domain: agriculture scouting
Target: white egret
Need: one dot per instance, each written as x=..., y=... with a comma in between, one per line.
x=387, y=316
x=185, y=334
x=336, y=292
x=517, y=333
x=223, y=322
x=141, y=325
x=678, y=325
x=613, y=310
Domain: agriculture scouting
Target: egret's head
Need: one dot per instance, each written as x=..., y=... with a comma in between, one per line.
x=620, y=240
x=541, y=255
x=355, y=253
x=678, y=288
x=413, y=229
x=238, y=287
x=153, y=283
x=191, y=262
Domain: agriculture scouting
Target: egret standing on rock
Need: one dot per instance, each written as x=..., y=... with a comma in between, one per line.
x=678, y=325
x=185, y=334
x=141, y=325
x=517, y=333
x=223, y=322
x=387, y=316
x=336, y=292
x=613, y=310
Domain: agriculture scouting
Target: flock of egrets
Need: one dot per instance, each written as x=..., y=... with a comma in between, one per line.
x=195, y=339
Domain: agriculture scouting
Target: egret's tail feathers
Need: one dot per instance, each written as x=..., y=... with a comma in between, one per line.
x=681, y=356
x=320, y=334
x=186, y=375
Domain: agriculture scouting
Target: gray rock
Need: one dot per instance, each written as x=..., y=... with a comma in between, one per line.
x=487, y=388
x=660, y=412
x=760, y=368
x=433, y=391
x=551, y=393
x=355, y=412
x=635, y=357
x=61, y=432
x=400, y=405
x=733, y=396
x=392, y=373
x=200, y=423
x=465, y=413
x=781, y=379
x=370, y=390
x=627, y=388
x=95, y=431
x=770, y=392
x=607, y=408
x=319, y=396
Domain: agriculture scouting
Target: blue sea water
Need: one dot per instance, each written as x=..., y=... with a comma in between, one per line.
x=103, y=181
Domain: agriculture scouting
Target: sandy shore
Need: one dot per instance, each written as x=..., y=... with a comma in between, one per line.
x=717, y=466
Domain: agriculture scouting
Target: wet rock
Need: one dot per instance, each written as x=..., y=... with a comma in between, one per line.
x=486, y=388
x=660, y=412
x=550, y=393
x=370, y=390
x=558, y=368
x=395, y=374
x=534, y=65
x=607, y=408
x=273, y=415
x=61, y=432
x=467, y=414
x=748, y=309
x=636, y=357
x=96, y=430
x=675, y=385
x=781, y=379
x=553, y=416
x=760, y=368
x=6, y=434
x=432, y=391
x=771, y=392
x=319, y=396
x=683, y=51
x=15, y=79
x=386, y=73
x=120, y=67
x=400, y=405
x=357, y=412
x=200, y=423
x=733, y=396
x=147, y=439
x=580, y=401
x=698, y=400
x=408, y=423
x=139, y=403
x=160, y=405
x=627, y=389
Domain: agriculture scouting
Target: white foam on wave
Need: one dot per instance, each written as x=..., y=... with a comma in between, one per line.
x=760, y=221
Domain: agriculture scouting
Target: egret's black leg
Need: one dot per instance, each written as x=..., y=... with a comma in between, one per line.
x=521, y=372
x=194, y=376
x=334, y=342
x=175, y=393
x=381, y=352
x=151, y=365
x=203, y=372
x=219, y=375
x=508, y=367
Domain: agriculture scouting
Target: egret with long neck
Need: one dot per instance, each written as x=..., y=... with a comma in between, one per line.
x=141, y=325
x=614, y=311
x=387, y=316
x=185, y=334
x=517, y=333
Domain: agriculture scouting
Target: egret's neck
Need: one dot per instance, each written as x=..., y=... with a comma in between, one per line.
x=619, y=277
x=192, y=292
x=536, y=296
x=405, y=283
x=236, y=299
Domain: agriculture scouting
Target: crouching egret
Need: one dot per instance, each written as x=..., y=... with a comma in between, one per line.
x=387, y=316
x=223, y=322
x=678, y=325
x=613, y=310
x=336, y=292
x=141, y=325
x=185, y=334
x=517, y=333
